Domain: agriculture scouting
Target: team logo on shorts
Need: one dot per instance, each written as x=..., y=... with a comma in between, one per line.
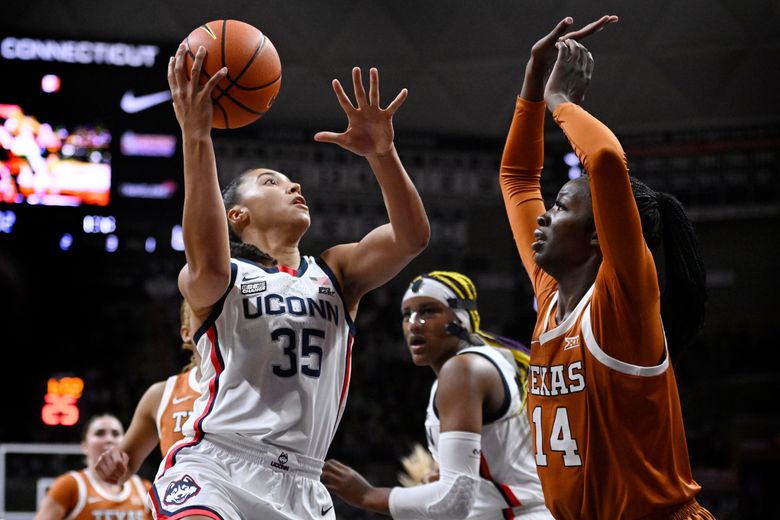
x=179, y=491
x=281, y=462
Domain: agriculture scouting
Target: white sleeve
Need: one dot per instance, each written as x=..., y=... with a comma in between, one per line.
x=452, y=496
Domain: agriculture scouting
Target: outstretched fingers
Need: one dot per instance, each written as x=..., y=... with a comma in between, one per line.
x=397, y=102
x=357, y=84
x=373, y=88
x=589, y=29
x=344, y=101
x=328, y=137
x=559, y=29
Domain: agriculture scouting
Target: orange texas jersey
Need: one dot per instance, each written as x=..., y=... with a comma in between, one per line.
x=84, y=498
x=609, y=440
x=175, y=407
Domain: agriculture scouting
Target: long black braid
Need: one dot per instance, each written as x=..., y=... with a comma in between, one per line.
x=684, y=293
x=231, y=195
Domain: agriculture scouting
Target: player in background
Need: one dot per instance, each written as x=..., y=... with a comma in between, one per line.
x=274, y=327
x=609, y=440
x=159, y=416
x=475, y=424
x=83, y=495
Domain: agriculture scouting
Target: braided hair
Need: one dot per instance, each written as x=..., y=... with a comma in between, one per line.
x=666, y=227
x=231, y=196
x=466, y=292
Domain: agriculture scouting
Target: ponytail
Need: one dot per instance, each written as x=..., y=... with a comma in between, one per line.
x=683, y=296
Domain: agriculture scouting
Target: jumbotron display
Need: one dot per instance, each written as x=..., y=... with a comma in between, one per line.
x=84, y=123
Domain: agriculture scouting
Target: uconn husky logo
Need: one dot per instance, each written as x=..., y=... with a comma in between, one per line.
x=179, y=491
x=281, y=462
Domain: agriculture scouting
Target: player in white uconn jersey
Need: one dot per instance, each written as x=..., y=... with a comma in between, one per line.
x=476, y=424
x=274, y=327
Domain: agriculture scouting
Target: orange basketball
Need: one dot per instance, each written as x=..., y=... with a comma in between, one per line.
x=254, y=70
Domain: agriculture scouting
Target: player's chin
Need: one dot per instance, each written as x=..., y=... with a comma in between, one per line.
x=420, y=359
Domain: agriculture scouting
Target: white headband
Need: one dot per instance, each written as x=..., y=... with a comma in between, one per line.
x=431, y=288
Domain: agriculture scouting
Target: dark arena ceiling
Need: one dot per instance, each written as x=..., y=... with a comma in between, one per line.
x=666, y=65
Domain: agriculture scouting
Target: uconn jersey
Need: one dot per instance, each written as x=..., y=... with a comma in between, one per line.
x=276, y=354
x=509, y=484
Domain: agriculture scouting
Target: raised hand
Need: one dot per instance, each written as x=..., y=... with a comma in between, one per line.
x=112, y=465
x=369, y=126
x=570, y=76
x=544, y=53
x=191, y=100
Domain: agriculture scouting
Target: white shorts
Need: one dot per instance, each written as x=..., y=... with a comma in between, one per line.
x=227, y=478
x=491, y=505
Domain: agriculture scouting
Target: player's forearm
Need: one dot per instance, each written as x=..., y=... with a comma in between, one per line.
x=520, y=174
x=405, y=209
x=204, y=224
x=377, y=500
x=614, y=210
x=533, y=81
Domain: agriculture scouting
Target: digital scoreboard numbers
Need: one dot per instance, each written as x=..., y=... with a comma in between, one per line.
x=61, y=401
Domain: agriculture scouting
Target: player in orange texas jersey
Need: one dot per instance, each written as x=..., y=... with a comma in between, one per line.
x=83, y=495
x=609, y=439
x=159, y=416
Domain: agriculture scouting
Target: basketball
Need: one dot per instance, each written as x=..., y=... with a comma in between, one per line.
x=254, y=70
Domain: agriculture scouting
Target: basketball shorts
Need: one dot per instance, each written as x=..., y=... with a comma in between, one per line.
x=228, y=478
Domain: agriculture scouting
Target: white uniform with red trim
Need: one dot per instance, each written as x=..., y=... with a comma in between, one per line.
x=509, y=485
x=275, y=372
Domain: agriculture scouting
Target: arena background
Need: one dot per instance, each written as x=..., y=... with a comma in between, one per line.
x=689, y=87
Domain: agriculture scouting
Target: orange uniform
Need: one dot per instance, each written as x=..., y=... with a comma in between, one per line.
x=609, y=439
x=84, y=498
x=175, y=407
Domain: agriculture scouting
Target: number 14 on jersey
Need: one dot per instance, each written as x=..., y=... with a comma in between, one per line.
x=560, y=438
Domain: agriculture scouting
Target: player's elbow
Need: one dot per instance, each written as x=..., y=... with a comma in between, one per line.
x=422, y=238
x=413, y=243
x=607, y=160
x=459, y=499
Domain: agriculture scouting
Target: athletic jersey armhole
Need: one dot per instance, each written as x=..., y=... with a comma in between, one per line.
x=615, y=364
x=328, y=271
x=82, y=495
x=217, y=309
x=504, y=408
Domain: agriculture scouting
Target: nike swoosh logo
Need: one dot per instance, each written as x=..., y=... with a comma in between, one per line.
x=247, y=278
x=131, y=103
x=324, y=511
x=177, y=400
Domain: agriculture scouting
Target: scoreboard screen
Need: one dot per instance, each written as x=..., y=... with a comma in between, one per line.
x=85, y=123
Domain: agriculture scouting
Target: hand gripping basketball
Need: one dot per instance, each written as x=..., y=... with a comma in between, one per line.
x=254, y=70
